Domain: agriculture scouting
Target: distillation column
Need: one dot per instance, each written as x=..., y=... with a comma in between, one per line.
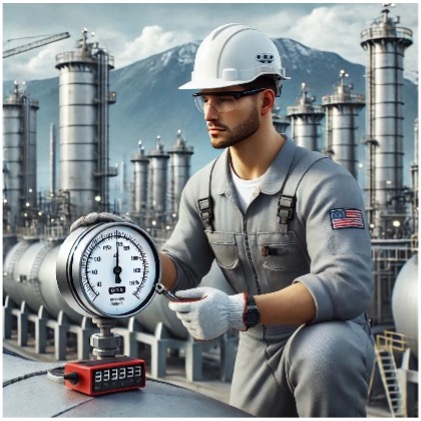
x=140, y=184
x=341, y=108
x=385, y=44
x=158, y=166
x=180, y=155
x=305, y=121
x=84, y=122
x=415, y=179
x=19, y=159
x=280, y=122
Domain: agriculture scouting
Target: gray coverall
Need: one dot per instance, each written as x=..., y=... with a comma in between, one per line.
x=318, y=369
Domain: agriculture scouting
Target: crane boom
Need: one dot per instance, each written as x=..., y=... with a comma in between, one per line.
x=35, y=44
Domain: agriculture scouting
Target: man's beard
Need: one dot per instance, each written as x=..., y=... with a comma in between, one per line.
x=247, y=128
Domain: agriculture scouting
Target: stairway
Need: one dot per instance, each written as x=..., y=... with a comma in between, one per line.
x=386, y=345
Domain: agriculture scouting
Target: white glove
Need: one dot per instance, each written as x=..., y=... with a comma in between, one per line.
x=94, y=218
x=210, y=313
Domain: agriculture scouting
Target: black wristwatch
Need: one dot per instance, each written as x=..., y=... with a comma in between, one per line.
x=251, y=314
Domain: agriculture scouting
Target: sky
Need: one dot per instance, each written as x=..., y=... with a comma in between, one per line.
x=134, y=31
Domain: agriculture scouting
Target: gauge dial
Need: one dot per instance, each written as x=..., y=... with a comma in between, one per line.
x=108, y=270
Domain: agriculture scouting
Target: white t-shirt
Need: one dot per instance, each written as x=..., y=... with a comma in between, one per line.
x=246, y=189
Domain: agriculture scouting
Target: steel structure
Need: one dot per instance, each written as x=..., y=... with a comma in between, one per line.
x=158, y=170
x=84, y=122
x=19, y=158
x=385, y=44
x=305, y=120
x=280, y=122
x=341, y=108
x=140, y=184
x=180, y=155
x=35, y=44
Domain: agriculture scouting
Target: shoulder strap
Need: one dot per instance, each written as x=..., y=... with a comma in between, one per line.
x=286, y=203
x=206, y=203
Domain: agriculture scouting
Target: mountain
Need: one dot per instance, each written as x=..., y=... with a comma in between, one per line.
x=149, y=103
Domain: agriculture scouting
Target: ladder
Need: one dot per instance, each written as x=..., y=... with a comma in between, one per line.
x=385, y=360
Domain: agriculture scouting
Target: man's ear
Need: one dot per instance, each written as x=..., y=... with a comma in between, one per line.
x=268, y=101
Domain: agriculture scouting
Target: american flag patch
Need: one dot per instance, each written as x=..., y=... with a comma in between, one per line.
x=346, y=218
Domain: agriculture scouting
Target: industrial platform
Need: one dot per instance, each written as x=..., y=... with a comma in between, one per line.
x=211, y=386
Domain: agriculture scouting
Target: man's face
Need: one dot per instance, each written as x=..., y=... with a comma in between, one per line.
x=229, y=127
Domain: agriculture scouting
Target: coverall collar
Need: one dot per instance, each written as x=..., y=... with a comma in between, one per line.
x=273, y=179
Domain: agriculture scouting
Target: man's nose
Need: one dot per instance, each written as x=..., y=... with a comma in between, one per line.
x=210, y=112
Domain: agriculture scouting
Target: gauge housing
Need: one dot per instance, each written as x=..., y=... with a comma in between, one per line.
x=108, y=269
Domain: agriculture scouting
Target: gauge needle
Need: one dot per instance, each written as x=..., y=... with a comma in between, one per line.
x=117, y=269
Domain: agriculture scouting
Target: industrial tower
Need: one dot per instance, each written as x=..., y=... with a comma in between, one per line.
x=385, y=44
x=341, y=108
x=305, y=120
x=84, y=127
x=19, y=159
x=180, y=155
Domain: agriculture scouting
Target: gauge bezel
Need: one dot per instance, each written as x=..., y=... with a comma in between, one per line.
x=69, y=263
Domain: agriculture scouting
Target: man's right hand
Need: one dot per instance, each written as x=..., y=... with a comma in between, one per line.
x=94, y=218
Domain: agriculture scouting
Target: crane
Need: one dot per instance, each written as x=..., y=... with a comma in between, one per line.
x=35, y=44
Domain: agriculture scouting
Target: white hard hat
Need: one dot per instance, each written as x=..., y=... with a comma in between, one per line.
x=234, y=54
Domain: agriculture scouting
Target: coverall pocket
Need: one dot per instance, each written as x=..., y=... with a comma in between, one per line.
x=225, y=248
x=283, y=259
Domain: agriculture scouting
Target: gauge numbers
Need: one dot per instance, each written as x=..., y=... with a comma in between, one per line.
x=118, y=271
x=108, y=269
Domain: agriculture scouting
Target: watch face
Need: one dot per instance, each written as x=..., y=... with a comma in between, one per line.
x=252, y=317
x=112, y=270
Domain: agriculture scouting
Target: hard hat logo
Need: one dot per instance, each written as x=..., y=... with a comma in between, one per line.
x=235, y=54
x=265, y=58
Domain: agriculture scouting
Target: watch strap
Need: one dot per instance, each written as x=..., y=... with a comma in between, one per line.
x=251, y=312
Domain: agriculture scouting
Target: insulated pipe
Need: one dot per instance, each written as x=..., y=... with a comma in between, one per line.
x=30, y=276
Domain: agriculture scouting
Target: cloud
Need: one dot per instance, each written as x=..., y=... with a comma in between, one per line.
x=337, y=28
x=41, y=63
x=153, y=39
x=39, y=66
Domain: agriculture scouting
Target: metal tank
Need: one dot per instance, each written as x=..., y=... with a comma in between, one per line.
x=52, y=300
x=27, y=382
x=385, y=44
x=305, y=121
x=415, y=179
x=341, y=108
x=11, y=281
x=280, y=122
x=180, y=155
x=19, y=158
x=158, y=167
x=29, y=276
x=140, y=183
x=84, y=142
x=405, y=303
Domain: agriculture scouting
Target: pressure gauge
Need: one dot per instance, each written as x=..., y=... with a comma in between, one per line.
x=108, y=269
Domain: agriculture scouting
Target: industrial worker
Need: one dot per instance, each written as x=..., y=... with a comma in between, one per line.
x=287, y=228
